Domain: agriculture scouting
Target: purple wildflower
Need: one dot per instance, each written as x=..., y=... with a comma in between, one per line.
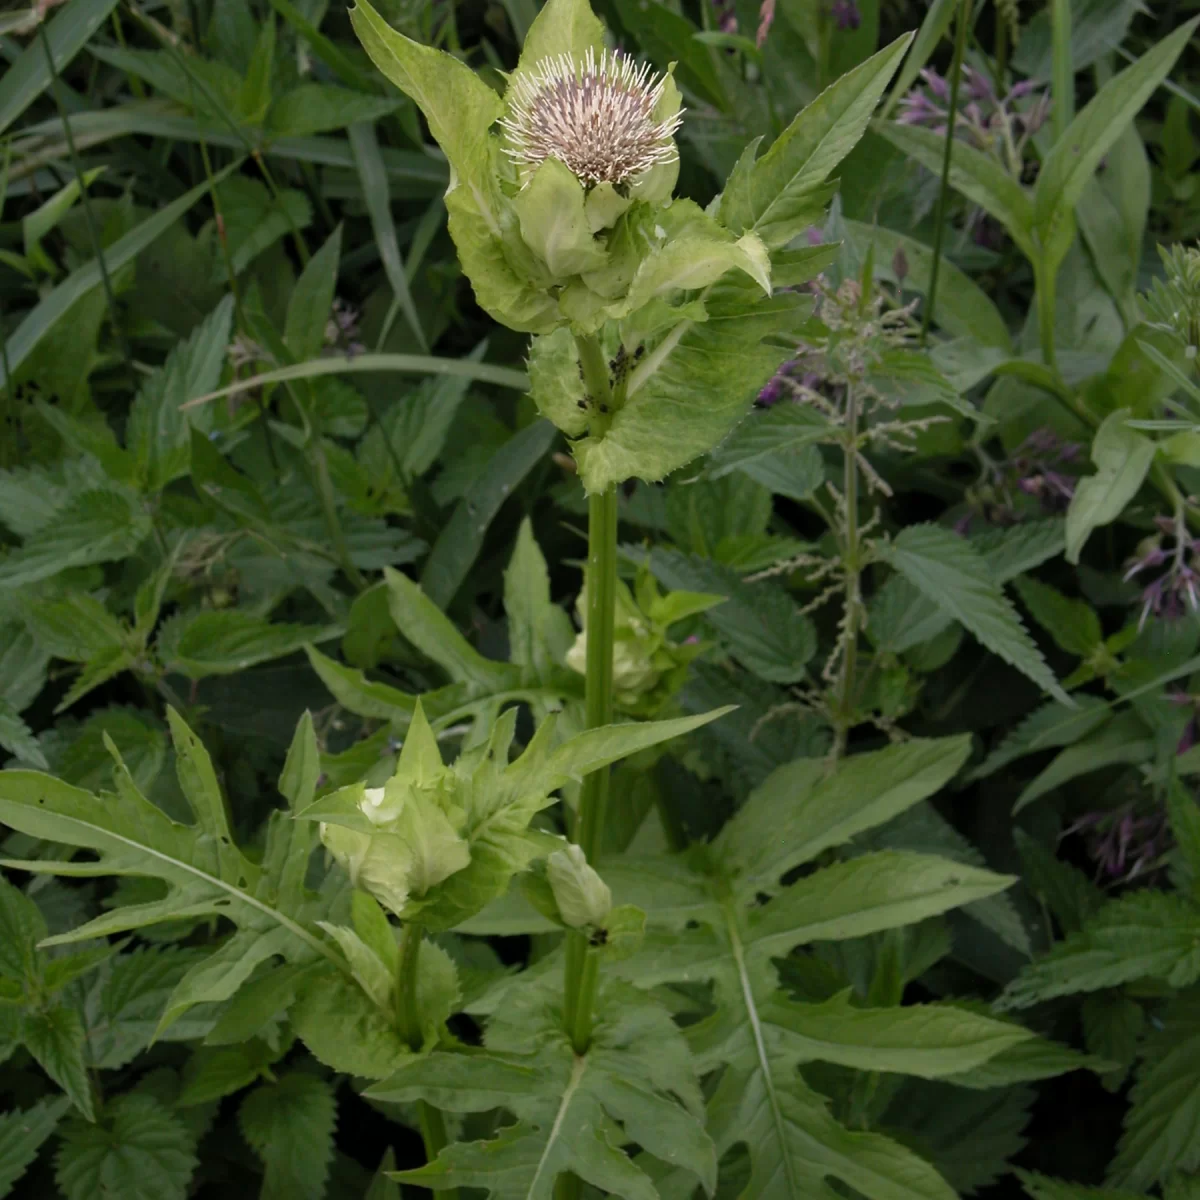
x=845, y=15
x=1122, y=844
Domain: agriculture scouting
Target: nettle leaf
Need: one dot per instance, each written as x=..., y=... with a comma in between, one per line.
x=782, y=193
x=22, y=1135
x=159, y=430
x=635, y=1084
x=55, y=1039
x=1162, y=1127
x=709, y=921
x=761, y=623
x=725, y=360
x=225, y=641
x=1040, y=1187
x=945, y=568
x=205, y=873
x=1154, y=935
x=137, y=1150
x=101, y=525
x=1122, y=457
x=290, y=1124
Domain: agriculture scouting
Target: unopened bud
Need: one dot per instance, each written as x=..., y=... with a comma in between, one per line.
x=583, y=898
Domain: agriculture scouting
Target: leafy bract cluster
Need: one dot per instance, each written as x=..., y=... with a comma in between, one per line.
x=610, y=256
x=649, y=667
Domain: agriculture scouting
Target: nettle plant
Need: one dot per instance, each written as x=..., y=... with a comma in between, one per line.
x=700, y=1016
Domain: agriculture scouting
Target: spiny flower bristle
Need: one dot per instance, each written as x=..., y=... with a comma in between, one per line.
x=597, y=119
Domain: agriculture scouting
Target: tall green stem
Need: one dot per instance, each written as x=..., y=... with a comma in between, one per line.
x=845, y=702
x=408, y=1023
x=1044, y=296
x=943, y=202
x=582, y=963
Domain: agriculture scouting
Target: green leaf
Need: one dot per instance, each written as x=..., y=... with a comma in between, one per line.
x=158, y=433
x=22, y=1134
x=969, y=1137
x=725, y=359
x=460, y=109
x=562, y=27
x=1046, y=728
x=1040, y=1187
x=434, y=634
x=1065, y=890
x=1073, y=624
x=357, y=694
x=310, y=303
x=321, y=107
x=137, y=1150
x=45, y=315
x=345, y=1029
x=976, y=175
x=571, y=1108
x=761, y=623
x=778, y=195
x=1124, y=739
x=1142, y=935
x=225, y=641
x=926, y=1040
x=302, y=767
x=290, y=1123
x=539, y=632
x=1073, y=160
x=205, y=873
x=55, y=1038
x=1160, y=1128
x=372, y=174
x=98, y=526
x=828, y=810
x=461, y=538
x=18, y=739
x=945, y=569
x=866, y=895
x=720, y=916
x=22, y=927
x=26, y=78
x=1123, y=457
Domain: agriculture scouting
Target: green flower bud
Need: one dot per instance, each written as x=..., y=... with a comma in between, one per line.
x=583, y=898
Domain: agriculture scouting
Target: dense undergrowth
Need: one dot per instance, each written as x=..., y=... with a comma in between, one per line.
x=839, y=838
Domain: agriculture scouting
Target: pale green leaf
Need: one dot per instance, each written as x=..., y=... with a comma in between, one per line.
x=55, y=1039
x=775, y=195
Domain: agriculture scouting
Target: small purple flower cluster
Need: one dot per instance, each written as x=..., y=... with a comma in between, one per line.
x=845, y=15
x=1035, y=464
x=1123, y=844
x=994, y=123
x=1175, y=592
x=783, y=384
x=341, y=330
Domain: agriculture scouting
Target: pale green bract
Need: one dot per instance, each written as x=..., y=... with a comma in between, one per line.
x=679, y=299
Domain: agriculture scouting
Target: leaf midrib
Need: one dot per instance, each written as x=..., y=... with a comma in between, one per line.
x=760, y=1049
x=213, y=880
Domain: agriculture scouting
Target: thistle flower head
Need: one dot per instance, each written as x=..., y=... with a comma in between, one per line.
x=597, y=118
